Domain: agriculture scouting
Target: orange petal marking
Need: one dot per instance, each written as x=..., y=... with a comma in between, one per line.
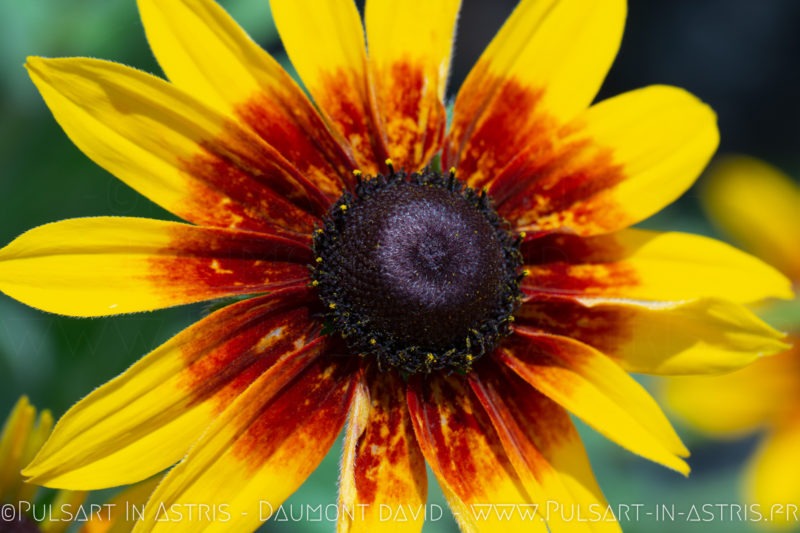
x=383, y=470
x=206, y=263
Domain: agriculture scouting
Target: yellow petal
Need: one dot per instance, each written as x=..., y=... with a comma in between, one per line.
x=333, y=66
x=740, y=402
x=259, y=450
x=409, y=70
x=598, y=391
x=110, y=265
x=757, y=205
x=543, y=67
x=621, y=161
x=649, y=266
x=181, y=154
x=147, y=418
x=696, y=337
x=383, y=484
x=13, y=441
x=463, y=450
x=545, y=449
x=773, y=477
x=204, y=52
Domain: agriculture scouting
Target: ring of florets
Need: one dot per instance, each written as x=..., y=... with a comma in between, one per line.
x=417, y=271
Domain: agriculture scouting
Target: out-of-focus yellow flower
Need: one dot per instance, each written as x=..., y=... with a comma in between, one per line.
x=759, y=207
x=24, y=509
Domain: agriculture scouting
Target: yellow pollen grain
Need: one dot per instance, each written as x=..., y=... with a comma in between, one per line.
x=373, y=342
x=343, y=207
x=523, y=234
x=389, y=163
x=315, y=283
x=431, y=358
x=469, y=358
x=453, y=171
x=331, y=305
x=526, y=272
x=318, y=260
x=356, y=173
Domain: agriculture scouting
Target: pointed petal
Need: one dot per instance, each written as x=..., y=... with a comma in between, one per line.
x=596, y=390
x=544, y=66
x=409, y=70
x=463, y=450
x=621, y=161
x=736, y=193
x=717, y=405
x=383, y=470
x=261, y=448
x=696, y=337
x=111, y=265
x=333, y=66
x=542, y=443
x=646, y=265
x=204, y=52
x=147, y=418
x=773, y=477
x=21, y=437
x=176, y=151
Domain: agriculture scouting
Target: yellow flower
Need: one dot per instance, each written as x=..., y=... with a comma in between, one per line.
x=23, y=508
x=450, y=318
x=759, y=207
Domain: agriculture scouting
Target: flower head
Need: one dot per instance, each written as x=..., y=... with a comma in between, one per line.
x=756, y=204
x=453, y=318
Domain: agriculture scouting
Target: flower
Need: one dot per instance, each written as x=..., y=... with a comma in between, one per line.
x=450, y=318
x=25, y=509
x=755, y=204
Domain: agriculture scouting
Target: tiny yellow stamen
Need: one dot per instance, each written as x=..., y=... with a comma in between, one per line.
x=452, y=171
x=356, y=173
x=431, y=358
x=522, y=234
x=318, y=260
x=389, y=163
x=331, y=305
x=526, y=272
x=373, y=342
x=343, y=207
x=315, y=283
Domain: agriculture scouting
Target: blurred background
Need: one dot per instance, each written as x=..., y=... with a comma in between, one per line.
x=741, y=56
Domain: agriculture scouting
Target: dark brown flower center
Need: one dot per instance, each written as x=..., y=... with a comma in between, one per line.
x=418, y=271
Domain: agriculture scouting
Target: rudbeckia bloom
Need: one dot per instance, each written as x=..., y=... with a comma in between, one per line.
x=757, y=205
x=450, y=318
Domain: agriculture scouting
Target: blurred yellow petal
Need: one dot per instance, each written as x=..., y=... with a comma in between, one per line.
x=410, y=71
x=111, y=265
x=759, y=207
x=596, y=390
x=696, y=337
x=773, y=475
x=740, y=402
